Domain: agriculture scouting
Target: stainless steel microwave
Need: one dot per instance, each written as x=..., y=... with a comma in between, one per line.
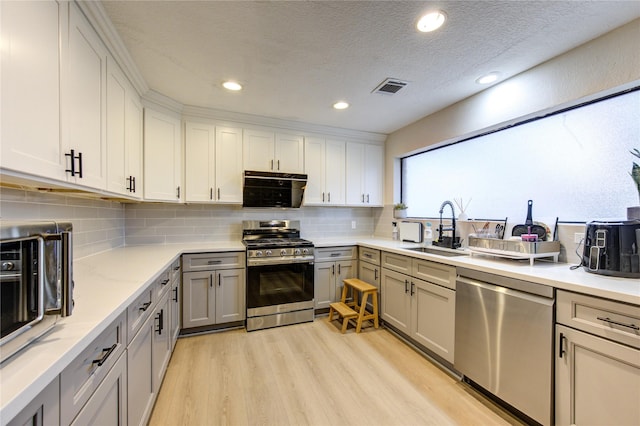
x=36, y=281
x=273, y=189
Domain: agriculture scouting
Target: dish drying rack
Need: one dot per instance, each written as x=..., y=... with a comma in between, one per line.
x=515, y=249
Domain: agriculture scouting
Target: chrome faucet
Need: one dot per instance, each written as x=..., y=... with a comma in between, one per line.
x=441, y=228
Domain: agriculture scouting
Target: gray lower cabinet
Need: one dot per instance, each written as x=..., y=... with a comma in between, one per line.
x=332, y=266
x=44, y=409
x=108, y=404
x=161, y=343
x=597, y=361
x=140, y=375
x=213, y=289
x=418, y=299
x=175, y=307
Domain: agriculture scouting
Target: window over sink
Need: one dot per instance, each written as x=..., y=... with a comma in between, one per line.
x=574, y=163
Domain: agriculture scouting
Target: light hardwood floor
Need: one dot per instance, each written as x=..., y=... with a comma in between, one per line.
x=311, y=374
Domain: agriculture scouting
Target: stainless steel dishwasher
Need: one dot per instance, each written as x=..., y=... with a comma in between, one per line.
x=504, y=340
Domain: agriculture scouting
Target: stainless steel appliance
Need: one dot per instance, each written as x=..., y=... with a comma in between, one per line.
x=36, y=281
x=272, y=189
x=613, y=248
x=504, y=340
x=280, y=274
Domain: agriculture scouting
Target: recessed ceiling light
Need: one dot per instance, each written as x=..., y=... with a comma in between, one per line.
x=341, y=105
x=488, y=78
x=232, y=85
x=431, y=21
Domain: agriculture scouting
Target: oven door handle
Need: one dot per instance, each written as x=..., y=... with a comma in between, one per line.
x=267, y=262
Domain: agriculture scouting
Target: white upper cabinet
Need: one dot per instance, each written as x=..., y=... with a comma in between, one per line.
x=124, y=134
x=364, y=174
x=325, y=167
x=275, y=152
x=162, y=157
x=213, y=163
x=30, y=102
x=84, y=103
x=228, y=165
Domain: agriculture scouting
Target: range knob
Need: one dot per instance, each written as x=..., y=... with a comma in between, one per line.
x=297, y=252
x=268, y=253
x=305, y=251
x=283, y=252
x=258, y=253
x=8, y=266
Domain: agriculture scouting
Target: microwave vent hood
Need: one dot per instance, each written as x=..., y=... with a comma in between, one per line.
x=273, y=189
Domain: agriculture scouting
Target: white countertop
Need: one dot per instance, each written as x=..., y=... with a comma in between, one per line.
x=106, y=283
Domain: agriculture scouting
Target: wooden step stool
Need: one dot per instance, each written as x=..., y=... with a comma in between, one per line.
x=352, y=309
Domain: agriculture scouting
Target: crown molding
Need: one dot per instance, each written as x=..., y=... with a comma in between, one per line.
x=98, y=18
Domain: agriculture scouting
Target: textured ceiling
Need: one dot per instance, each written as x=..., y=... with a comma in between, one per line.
x=296, y=58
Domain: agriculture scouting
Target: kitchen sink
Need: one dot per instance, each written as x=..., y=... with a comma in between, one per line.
x=439, y=251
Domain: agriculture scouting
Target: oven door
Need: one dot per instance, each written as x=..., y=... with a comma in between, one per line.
x=279, y=288
x=21, y=287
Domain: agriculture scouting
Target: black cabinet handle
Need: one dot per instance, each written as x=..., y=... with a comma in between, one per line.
x=160, y=318
x=375, y=274
x=133, y=178
x=164, y=282
x=333, y=269
x=412, y=287
x=175, y=294
x=561, y=351
x=339, y=269
x=211, y=193
x=105, y=356
x=178, y=192
x=72, y=155
x=406, y=284
x=218, y=193
x=610, y=321
x=144, y=306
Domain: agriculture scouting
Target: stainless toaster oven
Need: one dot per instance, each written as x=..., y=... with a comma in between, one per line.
x=36, y=281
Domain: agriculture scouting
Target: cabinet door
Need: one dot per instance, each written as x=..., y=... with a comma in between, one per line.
x=116, y=130
x=258, y=150
x=396, y=299
x=597, y=381
x=344, y=269
x=161, y=342
x=44, y=409
x=133, y=144
x=314, y=166
x=30, y=81
x=373, y=175
x=84, y=101
x=369, y=273
x=335, y=172
x=175, y=310
x=140, y=394
x=433, y=312
x=199, y=152
x=162, y=157
x=230, y=295
x=354, y=174
x=289, y=153
x=108, y=404
x=324, y=279
x=198, y=299
x=228, y=165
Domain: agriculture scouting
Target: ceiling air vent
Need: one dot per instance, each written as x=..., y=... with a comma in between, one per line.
x=390, y=86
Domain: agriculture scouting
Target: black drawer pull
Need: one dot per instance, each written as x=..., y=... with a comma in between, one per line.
x=213, y=262
x=144, y=306
x=105, y=356
x=164, y=282
x=562, y=350
x=621, y=324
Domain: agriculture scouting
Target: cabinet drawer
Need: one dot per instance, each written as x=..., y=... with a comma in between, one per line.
x=335, y=253
x=85, y=373
x=369, y=255
x=434, y=272
x=211, y=261
x=175, y=270
x=615, y=321
x=396, y=262
x=161, y=285
x=138, y=312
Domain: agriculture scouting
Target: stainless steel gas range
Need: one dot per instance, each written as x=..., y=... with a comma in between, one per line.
x=280, y=269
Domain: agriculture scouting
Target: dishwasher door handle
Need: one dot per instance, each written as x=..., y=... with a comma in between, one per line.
x=506, y=291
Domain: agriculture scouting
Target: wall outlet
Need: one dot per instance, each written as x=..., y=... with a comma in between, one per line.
x=578, y=237
x=353, y=224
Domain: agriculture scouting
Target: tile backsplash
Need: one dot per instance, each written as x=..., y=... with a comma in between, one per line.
x=175, y=223
x=98, y=225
